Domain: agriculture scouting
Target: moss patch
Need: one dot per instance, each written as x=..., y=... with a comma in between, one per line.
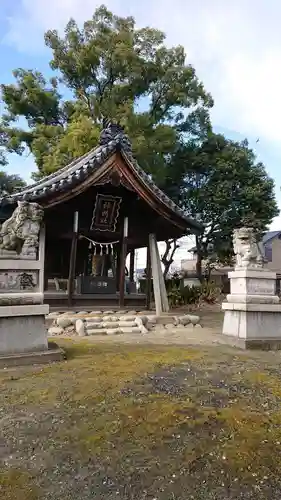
x=16, y=484
x=142, y=422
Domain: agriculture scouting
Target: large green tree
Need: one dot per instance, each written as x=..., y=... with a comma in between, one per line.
x=223, y=187
x=10, y=183
x=108, y=68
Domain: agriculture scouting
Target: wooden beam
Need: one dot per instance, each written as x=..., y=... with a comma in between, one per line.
x=124, y=244
x=72, y=262
x=148, y=279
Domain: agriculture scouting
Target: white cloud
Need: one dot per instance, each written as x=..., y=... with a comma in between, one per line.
x=234, y=46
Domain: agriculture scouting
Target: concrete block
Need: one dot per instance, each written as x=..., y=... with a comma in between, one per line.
x=132, y=329
x=113, y=331
x=80, y=328
x=26, y=333
x=128, y=317
x=110, y=324
x=96, y=331
x=22, y=310
x=94, y=325
x=142, y=318
x=126, y=324
x=165, y=320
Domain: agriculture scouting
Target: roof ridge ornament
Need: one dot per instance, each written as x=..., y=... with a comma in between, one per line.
x=111, y=131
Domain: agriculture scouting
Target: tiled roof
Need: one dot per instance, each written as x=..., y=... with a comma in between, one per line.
x=112, y=139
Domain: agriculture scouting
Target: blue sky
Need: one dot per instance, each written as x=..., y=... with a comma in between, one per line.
x=235, y=48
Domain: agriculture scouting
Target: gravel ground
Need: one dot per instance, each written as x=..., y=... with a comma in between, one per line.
x=143, y=422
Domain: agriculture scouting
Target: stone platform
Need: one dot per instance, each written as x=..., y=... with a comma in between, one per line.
x=257, y=326
x=50, y=355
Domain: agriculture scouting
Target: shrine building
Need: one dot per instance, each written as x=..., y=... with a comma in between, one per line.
x=98, y=209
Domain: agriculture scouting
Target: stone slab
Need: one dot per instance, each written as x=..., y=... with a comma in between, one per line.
x=164, y=319
x=252, y=273
x=21, y=298
x=29, y=310
x=96, y=331
x=253, y=286
x=253, y=299
x=253, y=325
x=132, y=329
x=54, y=354
x=23, y=333
x=274, y=308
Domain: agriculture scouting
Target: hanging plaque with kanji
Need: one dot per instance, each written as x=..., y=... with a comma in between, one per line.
x=106, y=212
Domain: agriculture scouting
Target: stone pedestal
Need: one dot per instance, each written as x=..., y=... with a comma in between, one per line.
x=252, y=312
x=23, y=333
x=23, y=329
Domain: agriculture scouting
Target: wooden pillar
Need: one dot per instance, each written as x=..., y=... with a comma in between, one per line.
x=160, y=294
x=163, y=291
x=132, y=265
x=148, y=279
x=72, y=262
x=41, y=258
x=123, y=255
x=155, y=274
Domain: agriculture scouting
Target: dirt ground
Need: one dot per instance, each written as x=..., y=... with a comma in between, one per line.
x=143, y=422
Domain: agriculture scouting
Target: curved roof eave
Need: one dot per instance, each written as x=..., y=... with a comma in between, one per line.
x=82, y=167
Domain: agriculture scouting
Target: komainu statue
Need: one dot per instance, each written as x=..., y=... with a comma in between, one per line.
x=20, y=233
x=246, y=249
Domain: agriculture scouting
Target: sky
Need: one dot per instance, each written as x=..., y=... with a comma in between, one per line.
x=234, y=46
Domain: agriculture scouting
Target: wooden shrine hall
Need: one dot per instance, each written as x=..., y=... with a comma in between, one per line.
x=98, y=209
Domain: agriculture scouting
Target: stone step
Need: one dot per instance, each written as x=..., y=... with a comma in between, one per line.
x=96, y=331
x=131, y=329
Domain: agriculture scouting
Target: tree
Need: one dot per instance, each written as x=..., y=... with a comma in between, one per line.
x=224, y=188
x=110, y=69
x=167, y=258
x=10, y=183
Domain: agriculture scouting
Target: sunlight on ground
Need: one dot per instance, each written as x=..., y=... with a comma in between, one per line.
x=142, y=422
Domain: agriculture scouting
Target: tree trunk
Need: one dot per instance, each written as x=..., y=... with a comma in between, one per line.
x=199, y=261
x=167, y=259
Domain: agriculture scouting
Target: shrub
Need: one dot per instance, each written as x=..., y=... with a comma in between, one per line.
x=190, y=295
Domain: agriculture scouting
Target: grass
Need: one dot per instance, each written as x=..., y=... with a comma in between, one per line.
x=142, y=422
